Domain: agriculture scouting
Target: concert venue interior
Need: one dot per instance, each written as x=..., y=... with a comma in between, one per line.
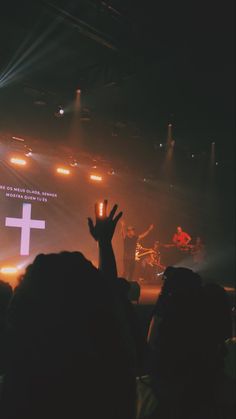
x=126, y=101
x=154, y=124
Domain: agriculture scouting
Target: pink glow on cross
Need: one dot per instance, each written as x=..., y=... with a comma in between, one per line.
x=25, y=223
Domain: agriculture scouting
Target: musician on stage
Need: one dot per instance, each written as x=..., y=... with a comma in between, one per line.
x=151, y=264
x=130, y=243
x=181, y=239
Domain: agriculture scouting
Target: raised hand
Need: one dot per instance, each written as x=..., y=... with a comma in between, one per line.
x=104, y=227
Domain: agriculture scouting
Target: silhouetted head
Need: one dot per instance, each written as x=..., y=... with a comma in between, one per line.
x=179, y=286
x=66, y=343
x=176, y=321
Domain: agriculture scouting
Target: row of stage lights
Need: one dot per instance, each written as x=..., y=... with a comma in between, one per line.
x=64, y=171
x=17, y=161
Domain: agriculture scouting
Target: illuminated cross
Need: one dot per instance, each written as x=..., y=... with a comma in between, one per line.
x=25, y=223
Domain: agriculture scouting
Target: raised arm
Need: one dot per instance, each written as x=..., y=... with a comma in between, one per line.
x=102, y=231
x=141, y=236
x=123, y=232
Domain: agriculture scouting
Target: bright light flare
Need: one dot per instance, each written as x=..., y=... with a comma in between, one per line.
x=96, y=178
x=8, y=270
x=100, y=209
x=18, y=161
x=63, y=171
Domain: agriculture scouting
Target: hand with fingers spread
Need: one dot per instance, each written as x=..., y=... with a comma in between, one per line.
x=104, y=227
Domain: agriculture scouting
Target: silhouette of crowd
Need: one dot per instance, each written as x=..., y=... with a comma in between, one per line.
x=71, y=345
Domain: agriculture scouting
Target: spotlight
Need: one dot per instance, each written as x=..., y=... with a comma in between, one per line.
x=193, y=155
x=60, y=112
x=100, y=209
x=63, y=171
x=78, y=91
x=29, y=154
x=217, y=163
x=8, y=270
x=17, y=161
x=160, y=145
x=96, y=178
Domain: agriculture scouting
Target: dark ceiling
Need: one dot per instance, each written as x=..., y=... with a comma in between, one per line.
x=139, y=64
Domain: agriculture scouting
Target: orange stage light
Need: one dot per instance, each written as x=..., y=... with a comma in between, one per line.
x=96, y=178
x=63, y=171
x=100, y=209
x=18, y=161
x=8, y=270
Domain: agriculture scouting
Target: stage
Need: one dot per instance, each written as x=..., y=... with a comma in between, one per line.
x=150, y=293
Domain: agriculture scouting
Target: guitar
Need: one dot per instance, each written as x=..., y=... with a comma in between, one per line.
x=138, y=255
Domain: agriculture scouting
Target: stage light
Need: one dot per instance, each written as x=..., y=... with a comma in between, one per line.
x=100, y=209
x=63, y=171
x=96, y=178
x=74, y=164
x=193, y=155
x=161, y=145
x=78, y=91
x=8, y=270
x=17, y=161
x=29, y=154
x=217, y=163
x=60, y=112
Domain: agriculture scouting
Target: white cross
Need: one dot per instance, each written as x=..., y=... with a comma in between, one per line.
x=25, y=223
